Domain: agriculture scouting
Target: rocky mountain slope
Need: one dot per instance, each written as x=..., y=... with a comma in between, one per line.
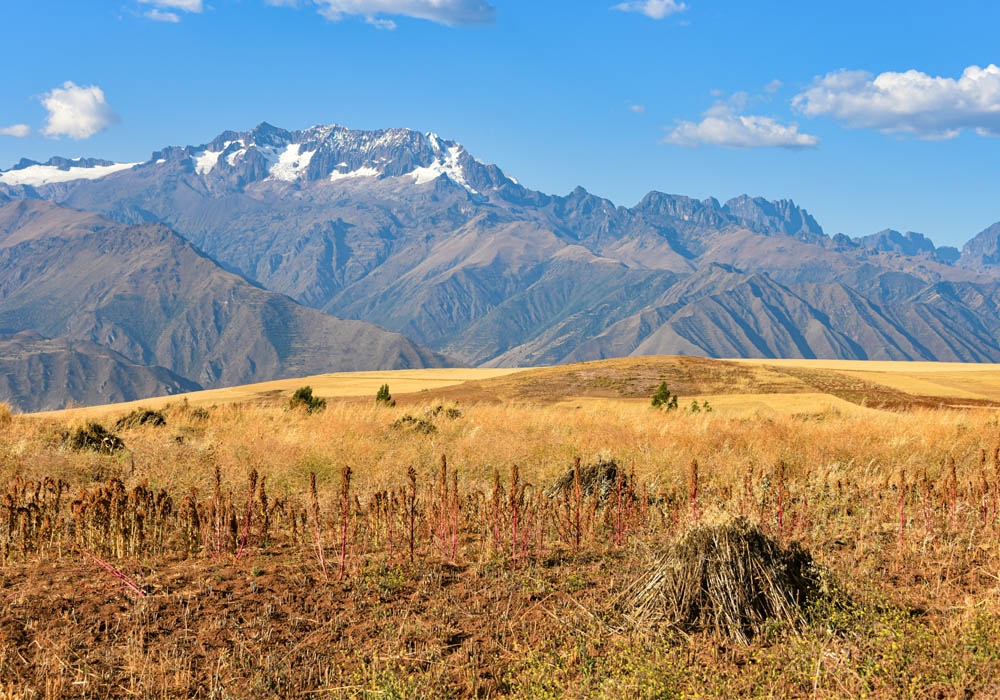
x=41, y=374
x=144, y=294
x=411, y=232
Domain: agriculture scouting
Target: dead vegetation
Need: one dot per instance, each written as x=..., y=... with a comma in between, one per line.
x=609, y=550
x=94, y=436
x=731, y=578
x=141, y=416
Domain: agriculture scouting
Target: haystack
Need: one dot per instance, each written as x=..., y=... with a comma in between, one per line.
x=600, y=477
x=732, y=578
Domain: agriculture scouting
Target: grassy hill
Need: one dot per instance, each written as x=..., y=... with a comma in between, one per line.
x=439, y=547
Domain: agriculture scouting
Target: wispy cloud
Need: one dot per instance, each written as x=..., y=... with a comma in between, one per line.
x=182, y=5
x=724, y=125
x=18, y=131
x=77, y=112
x=656, y=9
x=637, y=109
x=378, y=13
x=928, y=107
x=160, y=16
x=164, y=10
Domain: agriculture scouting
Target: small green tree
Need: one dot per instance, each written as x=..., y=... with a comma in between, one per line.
x=303, y=398
x=695, y=408
x=664, y=399
x=382, y=396
x=705, y=407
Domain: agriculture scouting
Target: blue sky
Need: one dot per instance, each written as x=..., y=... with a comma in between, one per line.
x=869, y=115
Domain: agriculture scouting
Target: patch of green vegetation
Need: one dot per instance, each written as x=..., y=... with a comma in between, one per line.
x=303, y=398
x=664, y=399
x=383, y=397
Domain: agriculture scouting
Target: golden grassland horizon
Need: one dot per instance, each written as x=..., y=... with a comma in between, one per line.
x=943, y=379
x=249, y=549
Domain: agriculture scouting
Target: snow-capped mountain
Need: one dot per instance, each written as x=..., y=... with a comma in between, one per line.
x=409, y=231
x=32, y=173
x=331, y=154
x=267, y=153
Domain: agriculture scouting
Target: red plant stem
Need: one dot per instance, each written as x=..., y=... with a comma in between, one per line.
x=693, y=489
x=319, y=528
x=454, y=514
x=389, y=506
x=127, y=581
x=577, y=507
x=346, y=506
x=245, y=535
x=781, y=499
x=618, y=511
x=902, y=506
x=514, y=514
x=411, y=507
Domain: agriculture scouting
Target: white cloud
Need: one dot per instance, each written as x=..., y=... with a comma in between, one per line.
x=637, y=109
x=182, y=5
x=18, y=131
x=656, y=9
x=447, y=12
x=159, y=16
x=386, y=24
x=77, y=112
x=925, y=106
x=773, y=86
x=723, y=126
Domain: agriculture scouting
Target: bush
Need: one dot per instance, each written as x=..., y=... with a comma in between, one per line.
x=417, y=425
x=6, y=413
x=96, y=437
x=382, y=396
x=140, y=416
x=663, y=398
x=303, y=398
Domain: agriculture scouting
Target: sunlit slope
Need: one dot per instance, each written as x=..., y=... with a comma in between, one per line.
x=786, y=386
x=335, y=385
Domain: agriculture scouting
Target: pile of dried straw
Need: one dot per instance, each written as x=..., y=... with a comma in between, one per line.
x=730, y=577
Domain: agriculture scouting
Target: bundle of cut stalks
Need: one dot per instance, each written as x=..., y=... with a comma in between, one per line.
x=600, y=477
x=729, y=577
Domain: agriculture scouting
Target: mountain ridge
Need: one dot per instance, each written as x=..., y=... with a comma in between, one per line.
x=411, y=232
x=150, y=296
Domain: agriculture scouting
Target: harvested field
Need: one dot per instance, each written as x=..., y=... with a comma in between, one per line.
x=246, y=549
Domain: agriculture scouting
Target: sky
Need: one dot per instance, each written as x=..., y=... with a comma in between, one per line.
x=869, y=115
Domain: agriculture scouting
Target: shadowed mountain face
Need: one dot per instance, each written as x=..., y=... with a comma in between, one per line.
x=410, y=232
x=38, y=374
x=144, y=294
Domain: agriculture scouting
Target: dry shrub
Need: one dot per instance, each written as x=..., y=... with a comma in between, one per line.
x=732, y=578
x=417, y=425
x=6, y=414
x=96, y=437
x=140, y=416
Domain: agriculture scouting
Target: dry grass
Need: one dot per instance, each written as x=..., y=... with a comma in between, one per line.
x=237, y=520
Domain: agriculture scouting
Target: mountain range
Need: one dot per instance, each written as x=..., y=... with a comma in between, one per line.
x=409, y=232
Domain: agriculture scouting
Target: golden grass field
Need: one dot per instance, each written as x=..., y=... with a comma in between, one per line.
x=230, y=577
x=770, y=385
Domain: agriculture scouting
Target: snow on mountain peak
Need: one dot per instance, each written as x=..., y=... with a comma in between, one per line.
x=333, y=153
x=292, y=162
x=445, y=164
x=45, y=174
